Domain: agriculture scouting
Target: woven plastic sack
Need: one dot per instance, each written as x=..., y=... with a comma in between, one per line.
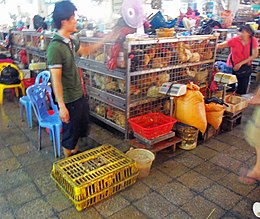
x=190, y=108
x=214, y=113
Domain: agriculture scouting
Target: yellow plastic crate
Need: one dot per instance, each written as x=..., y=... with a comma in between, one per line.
x=94, y=175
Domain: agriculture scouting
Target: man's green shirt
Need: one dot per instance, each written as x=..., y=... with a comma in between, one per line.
x=62, y=55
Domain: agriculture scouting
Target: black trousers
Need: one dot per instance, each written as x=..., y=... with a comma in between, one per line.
x=78, y=125
x=243, y=85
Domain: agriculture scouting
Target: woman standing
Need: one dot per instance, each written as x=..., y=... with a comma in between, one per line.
x=243, y=50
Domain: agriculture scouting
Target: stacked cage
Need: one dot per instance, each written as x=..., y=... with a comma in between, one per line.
x=115, y=96
x=34, y=43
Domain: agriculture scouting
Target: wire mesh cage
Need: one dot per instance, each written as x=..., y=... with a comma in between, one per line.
x=160, y=55
x=108, y=112
x=116, y=97
x=102, y=55
x=17, y=38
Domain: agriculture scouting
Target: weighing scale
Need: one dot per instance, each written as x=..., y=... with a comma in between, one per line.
x=173, y=90
x=225, y=80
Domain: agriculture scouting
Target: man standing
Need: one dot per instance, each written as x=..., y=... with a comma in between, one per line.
x=65, y=77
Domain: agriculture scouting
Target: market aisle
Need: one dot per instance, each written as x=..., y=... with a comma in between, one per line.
x=182, y=185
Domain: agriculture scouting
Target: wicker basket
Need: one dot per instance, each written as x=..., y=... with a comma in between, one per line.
x=188, y=134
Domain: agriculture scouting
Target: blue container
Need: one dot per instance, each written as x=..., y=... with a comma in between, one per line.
x=158, y=21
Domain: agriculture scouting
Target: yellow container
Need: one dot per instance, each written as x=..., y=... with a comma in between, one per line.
x=94, y=175
x=144, y=160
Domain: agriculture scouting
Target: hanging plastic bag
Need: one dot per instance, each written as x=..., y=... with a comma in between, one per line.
x=190, y=108
x=214, y=113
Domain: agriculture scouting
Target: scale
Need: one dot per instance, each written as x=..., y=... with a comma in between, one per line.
x=173, y=90
x=225, y=80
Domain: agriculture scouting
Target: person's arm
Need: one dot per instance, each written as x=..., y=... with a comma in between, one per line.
x=56, y=74
x=254, y=55
x=87, y=50
x=222, y=45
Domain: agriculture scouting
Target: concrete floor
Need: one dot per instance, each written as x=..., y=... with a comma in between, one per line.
x=185, y=184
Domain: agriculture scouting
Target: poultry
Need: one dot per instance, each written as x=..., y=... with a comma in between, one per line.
x=162, y=78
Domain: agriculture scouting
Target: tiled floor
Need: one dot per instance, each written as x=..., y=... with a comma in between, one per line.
x=187, y=184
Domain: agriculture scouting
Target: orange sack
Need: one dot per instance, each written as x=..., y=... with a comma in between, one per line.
x=214, y=113
x=190, y=108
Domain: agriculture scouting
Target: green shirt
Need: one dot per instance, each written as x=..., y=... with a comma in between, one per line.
x=62, y=55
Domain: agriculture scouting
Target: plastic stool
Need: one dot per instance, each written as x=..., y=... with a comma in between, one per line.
x=25, y=101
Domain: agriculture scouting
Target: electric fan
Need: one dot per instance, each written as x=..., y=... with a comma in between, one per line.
x=133, y=15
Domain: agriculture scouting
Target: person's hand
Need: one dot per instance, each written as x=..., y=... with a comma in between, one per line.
x=64, y=114
x=237, y=67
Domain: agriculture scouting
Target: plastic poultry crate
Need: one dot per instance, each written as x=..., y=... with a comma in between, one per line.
x=152, y=125
x=94, y=175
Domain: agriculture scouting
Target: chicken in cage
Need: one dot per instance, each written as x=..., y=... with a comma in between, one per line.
x=102, y=55
x=97, y=107
x=168, y=54
x=115, y=115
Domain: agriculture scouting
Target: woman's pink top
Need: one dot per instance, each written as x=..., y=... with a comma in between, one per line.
x=239, y=51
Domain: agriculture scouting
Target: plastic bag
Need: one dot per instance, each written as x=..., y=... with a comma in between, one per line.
x=190, y=108
x=214, y=113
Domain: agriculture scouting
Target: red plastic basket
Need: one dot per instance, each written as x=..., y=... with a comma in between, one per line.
x=27, y=82
x=152, y=125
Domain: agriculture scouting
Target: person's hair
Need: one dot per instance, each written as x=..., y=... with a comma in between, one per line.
x=63, y=11
x=248, y=29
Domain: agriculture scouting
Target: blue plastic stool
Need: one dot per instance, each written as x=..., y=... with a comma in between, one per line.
x=37, y=95
x=25, y=102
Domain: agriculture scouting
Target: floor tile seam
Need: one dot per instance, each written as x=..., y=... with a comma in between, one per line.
x=9, y=209
x=213, y=183
x=94, y=206
x=209, y=177
x=10, y=151
x=121, y=210
x=222, y=141
x=225, y=168
x=234, y=191
x=179, y=208
x=16, y=209
x=193, y=190
x=26, y=165
x=194, y=169
x=136, y=200
x=201, y=194
x=175, y=204
x=228, y=212
x=241, y=197
x=231, y=133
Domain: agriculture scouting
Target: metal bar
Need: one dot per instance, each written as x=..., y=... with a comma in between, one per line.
x=147, y=41
x=115, y=126
x=185, y=65
x=99, y=68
